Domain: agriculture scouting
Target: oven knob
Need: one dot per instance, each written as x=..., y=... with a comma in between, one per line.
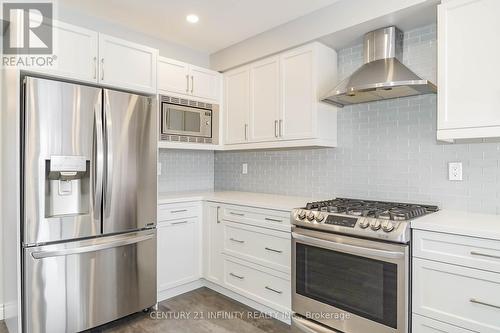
x=364, y=223
x=311, y=216
x=320, y=217
x=301, y=214
x=387, y=226
x=375, y=225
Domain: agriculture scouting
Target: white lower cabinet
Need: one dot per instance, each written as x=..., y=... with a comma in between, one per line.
x=421, y=324
x=266, y=287
x=447, y=291
x=244, y=250
x=179, y=253
x=213, y=265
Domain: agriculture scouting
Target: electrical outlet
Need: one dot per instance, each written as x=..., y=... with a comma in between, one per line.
x=244, y=168
x=455, y=171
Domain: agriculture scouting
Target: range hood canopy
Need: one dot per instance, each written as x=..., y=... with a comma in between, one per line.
x=382, y=75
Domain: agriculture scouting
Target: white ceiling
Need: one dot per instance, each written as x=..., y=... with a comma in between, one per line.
x=222, y=22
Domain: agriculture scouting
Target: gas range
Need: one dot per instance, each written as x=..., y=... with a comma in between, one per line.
x=381, y=220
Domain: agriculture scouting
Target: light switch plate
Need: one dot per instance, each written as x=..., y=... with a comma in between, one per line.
x=455, y=171
x=159, y=169
x=244, y=168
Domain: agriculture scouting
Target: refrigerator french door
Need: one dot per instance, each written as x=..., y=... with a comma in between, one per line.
x=89, y=205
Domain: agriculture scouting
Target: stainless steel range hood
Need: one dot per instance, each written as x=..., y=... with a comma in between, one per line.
x=382, y=75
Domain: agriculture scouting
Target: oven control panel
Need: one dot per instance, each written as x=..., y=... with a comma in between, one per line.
x=343, y=221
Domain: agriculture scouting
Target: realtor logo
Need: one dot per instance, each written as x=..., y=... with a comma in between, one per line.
x=28, y=28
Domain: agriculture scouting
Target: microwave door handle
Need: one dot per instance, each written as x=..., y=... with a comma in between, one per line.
x=351, y=249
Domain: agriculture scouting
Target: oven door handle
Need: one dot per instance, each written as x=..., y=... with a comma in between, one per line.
x=307, y=326
x=352, y=249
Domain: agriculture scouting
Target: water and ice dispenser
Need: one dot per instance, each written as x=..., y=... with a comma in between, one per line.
x=67, y=187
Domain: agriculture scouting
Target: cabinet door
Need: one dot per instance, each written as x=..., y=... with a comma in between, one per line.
x=298, y=93
x=178, y=253
x=173, y=76
x=127, y=65
x=75, y=53
x=237, y=105
x=213, y=242
x=204, y=83
x=264, y=100
x=468, y=63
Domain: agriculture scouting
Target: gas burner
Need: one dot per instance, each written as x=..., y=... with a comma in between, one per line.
x=365, y=218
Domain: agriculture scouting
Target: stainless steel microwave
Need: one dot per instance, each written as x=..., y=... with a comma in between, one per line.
x=184, y=120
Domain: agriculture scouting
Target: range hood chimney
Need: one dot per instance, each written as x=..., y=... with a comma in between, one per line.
x=382, y=75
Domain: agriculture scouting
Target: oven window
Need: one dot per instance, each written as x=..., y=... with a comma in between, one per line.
x=359, y=285
x=181, y=120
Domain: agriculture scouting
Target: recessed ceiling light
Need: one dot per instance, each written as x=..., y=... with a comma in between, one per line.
x=192, y=18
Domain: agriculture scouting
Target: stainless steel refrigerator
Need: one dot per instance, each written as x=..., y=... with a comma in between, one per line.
x=88, y=205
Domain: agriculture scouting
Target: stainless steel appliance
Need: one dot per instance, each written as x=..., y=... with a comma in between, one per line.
x=184, y=120
x=350, y=266
x=89, y=205
x=382, y=75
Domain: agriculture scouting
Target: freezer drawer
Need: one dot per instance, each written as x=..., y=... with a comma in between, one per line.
x=74, y=286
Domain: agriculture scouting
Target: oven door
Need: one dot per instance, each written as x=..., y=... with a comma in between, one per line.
x=350, y=284
x=183, y=120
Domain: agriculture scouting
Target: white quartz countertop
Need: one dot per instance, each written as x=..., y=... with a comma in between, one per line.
x=460, y=223
x=261, y=200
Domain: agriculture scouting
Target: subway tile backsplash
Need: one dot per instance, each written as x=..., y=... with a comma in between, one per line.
x=185, y=170
x=387, y=150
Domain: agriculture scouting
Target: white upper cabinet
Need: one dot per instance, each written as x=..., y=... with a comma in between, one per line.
x=298, y=93
x=469, y=68
x=181, y=78
x=264, y=100
x=88, y=56
x=126, y=64
x=237, y=104
x=75, y=53
x=173, y=76
x=276, y=102
x=205, y=83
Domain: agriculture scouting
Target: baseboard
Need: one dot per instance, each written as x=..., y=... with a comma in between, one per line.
x=179, y=290
x=284, y=317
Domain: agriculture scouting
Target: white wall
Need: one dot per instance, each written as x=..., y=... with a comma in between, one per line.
x=339, y=24
x=166, y=49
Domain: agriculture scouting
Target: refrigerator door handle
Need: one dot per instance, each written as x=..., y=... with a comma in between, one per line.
x=99, y=161
x=109, y=155
x=121, y=241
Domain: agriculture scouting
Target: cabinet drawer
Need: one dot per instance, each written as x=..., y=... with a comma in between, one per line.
x=265, y=288
x=465, y=297
x=459, y=250
x=422, y=324
x=262, y=246
x=260, y=217
x=167, y=212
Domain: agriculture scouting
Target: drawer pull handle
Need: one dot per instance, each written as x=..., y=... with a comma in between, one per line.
x=180, y=222
x=274, y=290
x=474, y=253
x=237, y=276
x=237, y=214
x=273, y=220
x=237, y=240
x=273, y=250
x=473, y=300
x=178, y=211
